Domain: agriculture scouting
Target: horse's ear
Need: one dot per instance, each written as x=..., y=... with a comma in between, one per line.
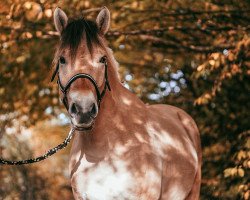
x=103, y=20
x=60, y=20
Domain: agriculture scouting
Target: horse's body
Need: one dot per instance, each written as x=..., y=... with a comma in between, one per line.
x=137, y=152
x=133, y=151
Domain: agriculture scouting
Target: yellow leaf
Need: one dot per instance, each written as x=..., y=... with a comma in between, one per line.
x=211, y=62
x=241, y=172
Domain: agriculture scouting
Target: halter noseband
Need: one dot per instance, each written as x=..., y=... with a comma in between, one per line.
x=65, y=88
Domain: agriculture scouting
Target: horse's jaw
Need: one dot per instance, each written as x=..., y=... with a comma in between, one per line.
x=84, y=129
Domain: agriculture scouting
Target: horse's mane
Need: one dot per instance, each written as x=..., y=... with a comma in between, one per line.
x=75, y=31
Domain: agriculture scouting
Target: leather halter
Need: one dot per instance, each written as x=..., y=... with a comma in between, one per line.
x=64, y=89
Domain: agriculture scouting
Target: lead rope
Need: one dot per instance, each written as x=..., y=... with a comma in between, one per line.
x=70, y=135
x=44, y=156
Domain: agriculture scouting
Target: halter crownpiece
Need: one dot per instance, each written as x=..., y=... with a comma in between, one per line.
x=65, y=88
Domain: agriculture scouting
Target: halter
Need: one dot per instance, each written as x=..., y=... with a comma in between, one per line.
x=99, y=94
x=64, y=90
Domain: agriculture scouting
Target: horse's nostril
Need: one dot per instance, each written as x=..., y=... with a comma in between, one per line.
x=73, y=109
x=93, y=110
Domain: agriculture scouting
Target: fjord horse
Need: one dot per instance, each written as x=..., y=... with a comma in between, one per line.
x=123, y=148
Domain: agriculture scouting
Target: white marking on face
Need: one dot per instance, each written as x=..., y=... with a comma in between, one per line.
x=84, y=100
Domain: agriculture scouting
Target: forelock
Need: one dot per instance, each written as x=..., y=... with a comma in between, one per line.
x=74, y=33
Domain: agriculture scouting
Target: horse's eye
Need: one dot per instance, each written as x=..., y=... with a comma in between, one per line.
x=103, y=59
x=62, y=60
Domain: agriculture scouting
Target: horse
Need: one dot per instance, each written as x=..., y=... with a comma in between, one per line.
x=122, y=147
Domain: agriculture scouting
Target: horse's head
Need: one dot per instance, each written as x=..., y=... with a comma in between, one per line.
x=82, y=50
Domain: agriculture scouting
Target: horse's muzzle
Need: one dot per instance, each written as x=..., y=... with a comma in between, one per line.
x=83, y=118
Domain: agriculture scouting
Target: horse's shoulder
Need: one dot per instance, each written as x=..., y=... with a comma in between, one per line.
x=176, y=139
x=174, y=131
x=174, y=116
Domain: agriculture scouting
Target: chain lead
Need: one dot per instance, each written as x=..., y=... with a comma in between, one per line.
x=43, y=157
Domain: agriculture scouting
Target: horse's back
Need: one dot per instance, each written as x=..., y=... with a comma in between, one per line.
x=176, y=139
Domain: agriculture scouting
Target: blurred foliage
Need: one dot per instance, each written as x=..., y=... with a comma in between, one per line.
x=41, y=181
x=191, y=54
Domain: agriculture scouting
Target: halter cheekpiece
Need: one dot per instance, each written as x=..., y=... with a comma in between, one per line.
x=64, y=89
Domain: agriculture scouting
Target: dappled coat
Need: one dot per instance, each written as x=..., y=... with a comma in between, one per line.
x=123, y=149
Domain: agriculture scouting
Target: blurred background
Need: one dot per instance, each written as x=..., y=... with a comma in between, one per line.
x=191, y=54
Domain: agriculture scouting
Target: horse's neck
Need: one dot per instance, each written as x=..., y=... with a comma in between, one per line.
x=121, y=113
